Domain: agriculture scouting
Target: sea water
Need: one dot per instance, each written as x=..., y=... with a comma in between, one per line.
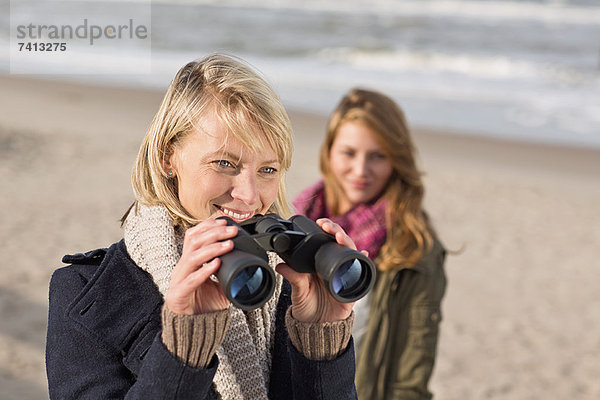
x=524, y=70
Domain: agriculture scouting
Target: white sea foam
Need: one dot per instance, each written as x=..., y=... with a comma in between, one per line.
x=550, y=11
x=405, y=60
x=511, y=69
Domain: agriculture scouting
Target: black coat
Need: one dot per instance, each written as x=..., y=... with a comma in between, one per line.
x=103, y=341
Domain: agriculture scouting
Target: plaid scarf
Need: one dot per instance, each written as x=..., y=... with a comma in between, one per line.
x=365, y=223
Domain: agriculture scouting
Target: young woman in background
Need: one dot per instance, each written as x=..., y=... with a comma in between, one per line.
x=372, y=188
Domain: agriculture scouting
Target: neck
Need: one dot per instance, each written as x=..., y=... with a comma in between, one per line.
x=344, y=206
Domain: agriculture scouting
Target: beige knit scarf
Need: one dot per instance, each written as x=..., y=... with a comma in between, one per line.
x=245, y=354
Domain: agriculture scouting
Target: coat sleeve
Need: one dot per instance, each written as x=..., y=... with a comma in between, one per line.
x=80, y=367
x=295, y=377
x=331, y=380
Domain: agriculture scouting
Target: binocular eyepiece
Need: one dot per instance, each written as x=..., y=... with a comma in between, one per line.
x=249, y=282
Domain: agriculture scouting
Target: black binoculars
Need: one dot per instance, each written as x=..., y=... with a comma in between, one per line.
x=249, y=282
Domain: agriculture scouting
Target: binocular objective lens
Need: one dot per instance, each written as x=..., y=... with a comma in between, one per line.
x=347, y=276
x=247, y=283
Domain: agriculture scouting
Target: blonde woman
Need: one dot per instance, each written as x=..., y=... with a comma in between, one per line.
x=144, y=318
x=372, y=188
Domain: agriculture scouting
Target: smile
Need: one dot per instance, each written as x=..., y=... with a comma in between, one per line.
x=359, y=184
x=233, y=214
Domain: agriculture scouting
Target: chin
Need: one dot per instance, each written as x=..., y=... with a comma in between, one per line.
x=359, y=199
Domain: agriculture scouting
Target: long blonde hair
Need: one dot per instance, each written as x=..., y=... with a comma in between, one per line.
x=409, y=233
x=242, y=100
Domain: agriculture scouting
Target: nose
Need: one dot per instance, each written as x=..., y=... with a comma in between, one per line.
x=360, y=166
x=245, y=188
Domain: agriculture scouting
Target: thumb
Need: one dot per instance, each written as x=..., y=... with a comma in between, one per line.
x=296, y=279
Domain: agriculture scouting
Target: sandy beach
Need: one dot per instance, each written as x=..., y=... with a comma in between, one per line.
x=522, y=311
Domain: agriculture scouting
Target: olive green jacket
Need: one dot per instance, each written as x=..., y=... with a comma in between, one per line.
x=398, y=349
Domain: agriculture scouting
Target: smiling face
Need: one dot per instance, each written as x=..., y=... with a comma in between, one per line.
x=359, y=164
x=218, y=176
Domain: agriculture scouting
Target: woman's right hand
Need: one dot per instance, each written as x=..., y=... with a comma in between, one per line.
x=191, y=290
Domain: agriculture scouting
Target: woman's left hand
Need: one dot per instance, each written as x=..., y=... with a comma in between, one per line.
x=311, y=301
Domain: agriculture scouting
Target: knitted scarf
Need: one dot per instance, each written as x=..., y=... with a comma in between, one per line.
x=245, y=354
x=365, y=223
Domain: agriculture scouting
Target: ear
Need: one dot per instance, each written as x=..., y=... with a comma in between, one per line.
x=168, y=163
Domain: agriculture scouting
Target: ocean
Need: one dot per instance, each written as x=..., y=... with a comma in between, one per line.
x=518, y=70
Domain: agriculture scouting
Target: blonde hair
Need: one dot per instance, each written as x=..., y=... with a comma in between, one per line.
x=409, y=233
x=242, y=100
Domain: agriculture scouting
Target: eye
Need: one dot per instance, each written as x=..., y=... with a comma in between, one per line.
x=268, y=170
x=223, y=164
x=348, y=153
x=378, y=156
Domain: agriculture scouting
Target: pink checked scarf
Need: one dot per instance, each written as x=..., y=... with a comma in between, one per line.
x=365, y=223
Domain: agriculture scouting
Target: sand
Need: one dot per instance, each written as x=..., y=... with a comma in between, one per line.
x=522, y=311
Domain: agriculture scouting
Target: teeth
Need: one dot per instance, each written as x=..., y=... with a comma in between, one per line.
x=234, y=214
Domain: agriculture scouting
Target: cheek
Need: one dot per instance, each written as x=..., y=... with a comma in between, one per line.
x=198, y=190
x=185, y=191
x=337, y=165
x=214, y=186
x=384, y=172
x=268, y=192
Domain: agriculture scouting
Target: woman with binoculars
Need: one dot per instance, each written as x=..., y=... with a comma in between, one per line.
x=147, y=317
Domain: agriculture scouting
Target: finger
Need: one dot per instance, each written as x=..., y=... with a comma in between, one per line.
x=298, y=280
x=206, y=225
x=179, y=294
x=342, y=238
x=324, y=221
x=365, y=252
x=329, y=226
x=200, y=238
x=200, y=276
x=192, y=260
x=208, y=253
x=334, y=229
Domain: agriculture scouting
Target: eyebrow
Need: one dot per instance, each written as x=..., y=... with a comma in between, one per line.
x=345, y=146
x=219, y=154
